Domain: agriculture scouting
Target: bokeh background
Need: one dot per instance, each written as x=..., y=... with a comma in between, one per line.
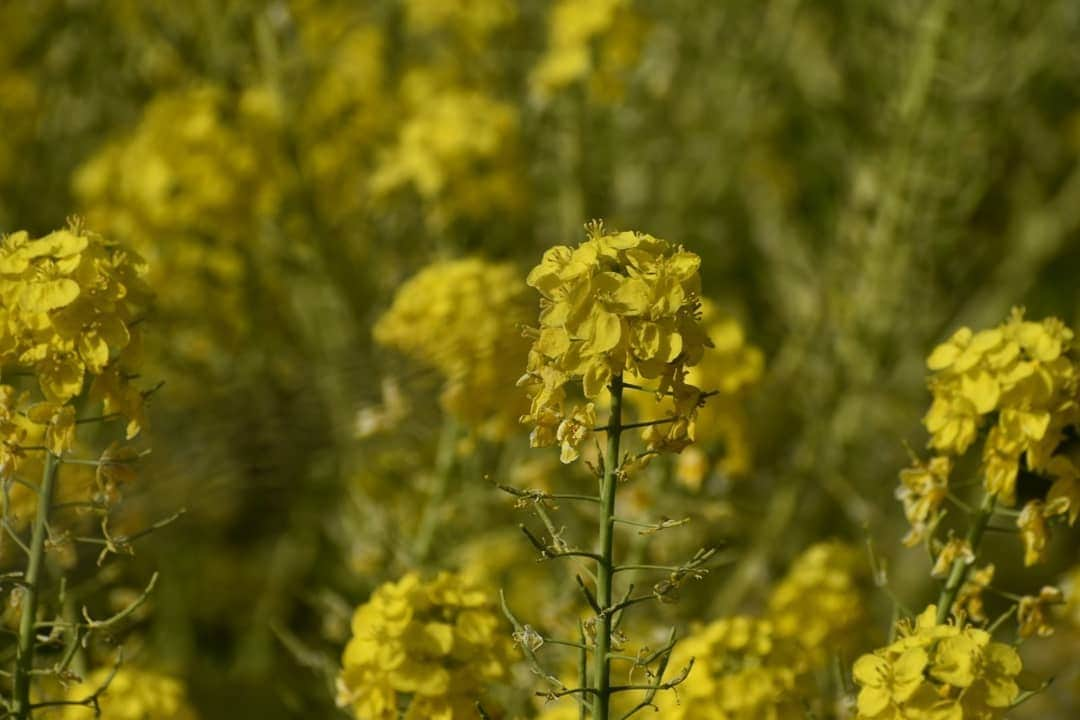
x=860, y=179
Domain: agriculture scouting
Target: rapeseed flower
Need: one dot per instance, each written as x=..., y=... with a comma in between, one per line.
x=70, y=303
x=462, y=317
x=132, y=694
x=619, y=303
x=428, y=646
x=934, y=671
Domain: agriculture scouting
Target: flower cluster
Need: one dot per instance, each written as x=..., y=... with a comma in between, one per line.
x=938, y=671
x=70, y=303
x=455, y=149
x=1022, y=381
x=598, y=40
x=820, y=603
x=763, y=667
x=461, y=317
x=618, y=303
x=186, y=189
x=430, y=646
x=132, y=694
x=739, y=673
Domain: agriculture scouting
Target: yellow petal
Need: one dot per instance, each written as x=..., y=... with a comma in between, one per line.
x=94, y=351
x=606, y=331
x=596, y=376
x=943, y=356
x=553, y=341
x=982, y=390
x=869, y=670
x=49, y=295
x=632, y=297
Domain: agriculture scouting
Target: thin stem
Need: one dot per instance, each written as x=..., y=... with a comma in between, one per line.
x=605, y=569
x=633, y=425
x=24, y=658
x=583, y=668
x=960, y=566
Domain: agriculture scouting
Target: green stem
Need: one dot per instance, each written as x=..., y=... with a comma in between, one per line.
x=606, y=571
x=433, y=510
x=583, y=670
x=958, y=572
x=24, y=659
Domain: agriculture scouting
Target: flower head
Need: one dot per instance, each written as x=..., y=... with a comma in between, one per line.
x=428, y=645
x=618, y=303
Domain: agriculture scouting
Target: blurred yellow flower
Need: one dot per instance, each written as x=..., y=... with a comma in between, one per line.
x=132, y=694
x=431, y=646
x=456, y=148
x=462, y=318
x=598, y=40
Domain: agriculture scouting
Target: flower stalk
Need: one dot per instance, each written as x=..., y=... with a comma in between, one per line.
x=24, y=660
x=605, y=571
x=960, y=566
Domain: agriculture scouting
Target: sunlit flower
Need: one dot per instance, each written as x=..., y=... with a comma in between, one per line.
x=619, y=303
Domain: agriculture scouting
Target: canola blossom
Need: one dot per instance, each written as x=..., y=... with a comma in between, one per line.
x=455, y=149
x=429, y=646
x=936, y=670
x=461, y=318
x=594, y=40
x=131, y=694
x=1020, y=383
x=618, y=303
x=71, y=303
x=187, y=189
x=748, y=667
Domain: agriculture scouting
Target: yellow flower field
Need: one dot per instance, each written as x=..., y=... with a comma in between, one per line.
x=553, y=360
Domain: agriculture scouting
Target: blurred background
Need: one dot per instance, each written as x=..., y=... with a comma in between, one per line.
x=860, y=179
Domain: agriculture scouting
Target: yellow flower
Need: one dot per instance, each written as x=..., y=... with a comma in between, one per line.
x=941, y=672
x=1032, y=612
x=456, y=148
x=739, y=672
x=820, y=602
x=574, y=430
x=132, y=694
x=1032, y=524
x=430, y=646
x=969, y=600
x=462, y=318
x=598, y=40
x=886, y=684
x=59, y=421
x=618, y=304
x=472, y=20
x=1022, y=379
x=71, y=302
x=922, y=490
x=187, y=187
x=955, y=549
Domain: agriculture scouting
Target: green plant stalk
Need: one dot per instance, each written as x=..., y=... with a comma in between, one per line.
x=959, y=570
x=605, y=572
x=583, y=671
x=24, y=659
x=433, y=510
